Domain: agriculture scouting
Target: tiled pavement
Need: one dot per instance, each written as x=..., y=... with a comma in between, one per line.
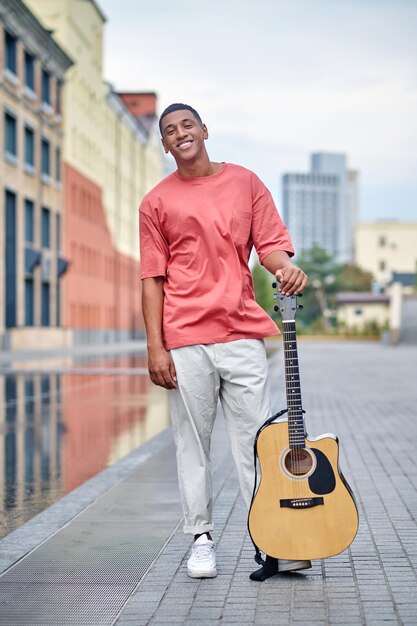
x=367, y=394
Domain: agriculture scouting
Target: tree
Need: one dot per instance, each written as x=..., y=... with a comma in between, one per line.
x=353, y=278
x=262, y=280
x=321, y=270
x=326, y=279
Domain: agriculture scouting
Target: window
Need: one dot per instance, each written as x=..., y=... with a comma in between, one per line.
x=58, y=304
x=46, y=228
x=382, y=241
x=58, y=164
x=46, y=161
x=45, y=304
x=358, y=312
x=29, y=147
x=29, y=70
x=10, y=52
x=46, y=87
x=58, y=106
x=29, y=302
x=382, y=266
x=29, y=221
x=10, y=135
x=10, y=237
x=58, y=232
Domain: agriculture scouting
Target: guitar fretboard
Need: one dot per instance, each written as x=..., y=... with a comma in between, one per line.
x=293, y=388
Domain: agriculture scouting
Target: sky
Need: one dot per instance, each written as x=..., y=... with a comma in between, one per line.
x=275, y=80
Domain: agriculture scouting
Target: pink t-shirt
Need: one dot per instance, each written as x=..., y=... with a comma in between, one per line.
x=198, y=233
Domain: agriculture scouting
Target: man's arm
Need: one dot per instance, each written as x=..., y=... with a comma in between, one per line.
x=160, y=364
x=292, y=279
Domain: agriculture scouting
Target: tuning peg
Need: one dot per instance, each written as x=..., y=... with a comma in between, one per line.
x=274, y=285
x=300, y=295
x=300, y=306
x=275, y=296
x=276, y=308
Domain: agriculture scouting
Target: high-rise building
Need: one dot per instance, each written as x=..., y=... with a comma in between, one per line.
x=32, y=258
x=320, y=207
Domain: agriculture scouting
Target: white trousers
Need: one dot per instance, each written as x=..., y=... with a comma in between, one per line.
x=236, y=372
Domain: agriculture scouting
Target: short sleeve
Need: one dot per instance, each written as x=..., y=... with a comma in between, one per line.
x=269, y=232
x=154, y=251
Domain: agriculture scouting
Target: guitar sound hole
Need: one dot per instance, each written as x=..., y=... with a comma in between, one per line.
x=298, y=462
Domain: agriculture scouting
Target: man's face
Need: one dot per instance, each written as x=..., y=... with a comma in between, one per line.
x=182, y=135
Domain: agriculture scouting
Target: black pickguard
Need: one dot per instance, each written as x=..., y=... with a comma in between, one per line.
x=323, y=480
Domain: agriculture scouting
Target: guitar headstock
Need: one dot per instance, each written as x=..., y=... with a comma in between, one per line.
x=288, y=304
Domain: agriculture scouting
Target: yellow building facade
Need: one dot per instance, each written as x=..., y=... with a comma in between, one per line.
x=386, y=247
x=111, y=159
x=32, y=75
x=103, y=140
x=358, y=310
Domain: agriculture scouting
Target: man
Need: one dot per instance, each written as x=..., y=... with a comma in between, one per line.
x=204, y=329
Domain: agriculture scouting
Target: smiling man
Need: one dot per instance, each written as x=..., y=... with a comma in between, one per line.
x=204, y=328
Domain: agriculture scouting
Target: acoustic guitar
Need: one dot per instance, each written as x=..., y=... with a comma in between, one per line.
x=303, y=507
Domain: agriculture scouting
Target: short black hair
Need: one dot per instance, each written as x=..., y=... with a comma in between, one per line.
x=178, y=106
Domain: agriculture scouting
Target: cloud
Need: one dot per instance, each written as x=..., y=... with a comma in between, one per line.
x=278, y=79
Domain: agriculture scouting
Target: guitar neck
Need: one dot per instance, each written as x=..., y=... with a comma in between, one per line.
x=296, y=429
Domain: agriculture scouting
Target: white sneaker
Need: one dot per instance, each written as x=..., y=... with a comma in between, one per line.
x=292, y=566
x=202, y=561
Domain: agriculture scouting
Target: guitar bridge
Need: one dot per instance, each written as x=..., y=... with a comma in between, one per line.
x=301, y=503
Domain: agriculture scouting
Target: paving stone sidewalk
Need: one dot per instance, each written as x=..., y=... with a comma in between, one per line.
x=366, y=393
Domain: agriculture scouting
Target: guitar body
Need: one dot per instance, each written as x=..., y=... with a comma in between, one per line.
x=303, y=508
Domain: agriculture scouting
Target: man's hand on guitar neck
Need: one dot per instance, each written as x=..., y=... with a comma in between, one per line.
x=292, y=280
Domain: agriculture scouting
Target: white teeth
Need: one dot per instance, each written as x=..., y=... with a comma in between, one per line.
x=185, y=144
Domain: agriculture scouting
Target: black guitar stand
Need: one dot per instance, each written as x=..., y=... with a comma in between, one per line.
x=268, y=569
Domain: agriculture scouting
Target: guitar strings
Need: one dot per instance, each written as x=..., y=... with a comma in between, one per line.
x=296, y=453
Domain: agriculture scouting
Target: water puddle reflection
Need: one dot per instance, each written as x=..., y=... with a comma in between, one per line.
x=59, y=427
